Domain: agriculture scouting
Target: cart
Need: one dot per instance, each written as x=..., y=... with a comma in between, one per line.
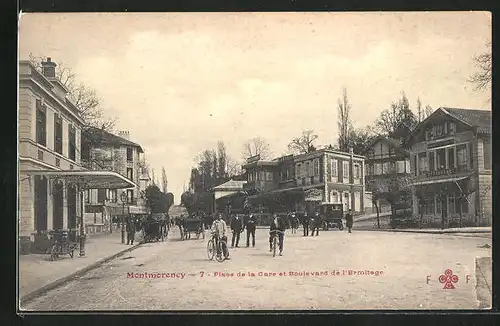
x=154, y=231
x=193, y=225
x=332, y=215
x=61, y=244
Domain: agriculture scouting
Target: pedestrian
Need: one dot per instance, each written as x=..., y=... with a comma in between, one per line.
x=277, y=224
x=130, y=227
x=237, y=228
x=250, y=226
x=316, y=223
x=219, y=229
x=349, y=220
x=305, y=224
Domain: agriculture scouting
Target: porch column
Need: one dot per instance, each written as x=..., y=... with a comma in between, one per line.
x=65, y=204
x=435, y=159
x=50, y=204
x=414, y=200
x=446, y=160
x=417, y=164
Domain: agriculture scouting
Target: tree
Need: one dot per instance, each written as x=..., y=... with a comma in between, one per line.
x=156, y=201
x=304, y=143
x=164, y=180
x=428, y=111
x=420, y=111
x=83, y=97
x=221, y=160
x=391, y=119
x=359, y=139
x=482, y=78
x=257, y=146
x=344, y=122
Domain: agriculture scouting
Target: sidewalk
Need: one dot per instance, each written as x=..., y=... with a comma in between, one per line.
x=37, y=273
x=467, y=230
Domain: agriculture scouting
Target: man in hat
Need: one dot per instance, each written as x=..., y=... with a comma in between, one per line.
x=250, y=225
x=237, y=228
x=349, y=220
x=130, y=228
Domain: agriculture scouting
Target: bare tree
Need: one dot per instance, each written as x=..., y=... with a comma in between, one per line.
x=391, y=119
x=304, y=143
x=164, y=180
x=482, y=78
x=420, y=111
x=83, y=97
x=428, y=111
x=344, y=121
x=257, y=146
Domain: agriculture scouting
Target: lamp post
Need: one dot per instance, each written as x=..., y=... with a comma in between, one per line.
x=123, y=198
x=82, y=228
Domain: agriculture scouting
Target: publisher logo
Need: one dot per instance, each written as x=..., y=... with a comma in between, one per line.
x=448, y=278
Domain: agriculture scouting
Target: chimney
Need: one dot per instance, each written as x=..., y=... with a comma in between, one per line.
x=49, y=68
x=124, y=134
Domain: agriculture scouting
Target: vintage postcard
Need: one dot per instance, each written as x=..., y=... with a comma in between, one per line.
x=254, y=161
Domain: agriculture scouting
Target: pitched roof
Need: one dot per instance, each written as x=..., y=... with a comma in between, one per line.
x=231, y=184
x=394, y=142
x=481, y=119
x=104, y=137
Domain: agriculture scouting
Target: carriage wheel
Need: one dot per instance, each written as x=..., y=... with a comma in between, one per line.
x=197, y=235
x=210, y=249
x=220, y=254
x=71, y=253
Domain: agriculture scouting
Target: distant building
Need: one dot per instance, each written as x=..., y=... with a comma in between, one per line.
x=301, y=182
x=386, y=160
x=102, y=150
x=451, y=168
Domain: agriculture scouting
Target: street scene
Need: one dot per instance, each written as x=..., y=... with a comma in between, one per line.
x=168, y=162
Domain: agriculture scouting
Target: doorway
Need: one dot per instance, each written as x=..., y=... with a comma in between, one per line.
x=58, y=205
x=72, y=211
x=40, y=203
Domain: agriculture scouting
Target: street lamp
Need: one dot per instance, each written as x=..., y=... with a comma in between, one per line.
x=82, y=227
x=123, y=198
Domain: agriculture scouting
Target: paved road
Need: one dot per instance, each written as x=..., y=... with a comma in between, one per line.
x=403, y=261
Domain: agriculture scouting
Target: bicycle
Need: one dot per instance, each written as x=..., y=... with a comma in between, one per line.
x=215, y=248
x=275, y=240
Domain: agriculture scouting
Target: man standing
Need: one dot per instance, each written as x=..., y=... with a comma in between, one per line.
x=130, y=228
x=219, y=229
x=305, y=224
x=316, y=223
x=349, y=220
x=250, y=225
x=237, y=228
x=277, y=224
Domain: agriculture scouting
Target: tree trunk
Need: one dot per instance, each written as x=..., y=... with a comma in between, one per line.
x=378, y=214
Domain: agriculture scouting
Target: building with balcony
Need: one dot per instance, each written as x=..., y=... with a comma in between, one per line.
x=300, y=182
x=49, y=139
x=102, y=150
x=387, y=164
x=451, y=168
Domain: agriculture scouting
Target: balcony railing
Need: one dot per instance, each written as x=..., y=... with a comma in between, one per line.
x=442, y=172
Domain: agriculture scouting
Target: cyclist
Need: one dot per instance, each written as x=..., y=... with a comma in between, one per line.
x=277, y=224
x=219, y=230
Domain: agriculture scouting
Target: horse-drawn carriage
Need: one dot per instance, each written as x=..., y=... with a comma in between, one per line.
x=156, y=227
x=194, y=225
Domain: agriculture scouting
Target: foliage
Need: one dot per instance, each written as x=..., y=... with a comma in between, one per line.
x=483, y=77
x=359, y=139
x=164, y=180
x=257, y=146
x=304, y=143
x=390, y=120
x=157, y=201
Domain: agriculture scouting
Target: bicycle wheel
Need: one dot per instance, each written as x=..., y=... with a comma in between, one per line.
x=220, y=253
x=54, y=253
x=210, y=249
x=274, y=245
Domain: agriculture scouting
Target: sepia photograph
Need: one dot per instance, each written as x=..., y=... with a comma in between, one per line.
x=239, y=161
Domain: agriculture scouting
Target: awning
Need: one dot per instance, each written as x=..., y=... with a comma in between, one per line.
x=437, y=181
x=87, y=179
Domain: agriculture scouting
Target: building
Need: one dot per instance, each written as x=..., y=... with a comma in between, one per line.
x=49, y=138
x=104, y=150
x=451, y=168
x=386, y=160
x=49, y=141
x=300, y=182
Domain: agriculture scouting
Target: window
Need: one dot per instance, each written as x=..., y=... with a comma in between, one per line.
x=451, y=157
x=451, y=128
x=487, y=153
x=297, y=170
x=334, y=168
x=407, y=166
x=130, y=154
x=41, y=124
x=101, y=196
x=422, y=163
x=441, y=159
x=377, y=169
x=113, y=195
x=58, y=134
x=357, y=170
x=269, y=176
x=438, y=205
x=401, y=166
x=72, y=143
x=392, y=167
x=385, y=168
x=439, y=130
x=130, y=195
x=130, y=173
x=316, y=167
x=429, y=207
x=262, y=176
x=462, y=156
x=87, y=196
x=345, y=170
x=431, y=161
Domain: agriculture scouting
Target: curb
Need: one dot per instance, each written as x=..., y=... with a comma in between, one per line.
x=428, y=232
x=57, y=283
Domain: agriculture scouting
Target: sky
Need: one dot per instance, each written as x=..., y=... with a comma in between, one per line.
x=180, y=82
